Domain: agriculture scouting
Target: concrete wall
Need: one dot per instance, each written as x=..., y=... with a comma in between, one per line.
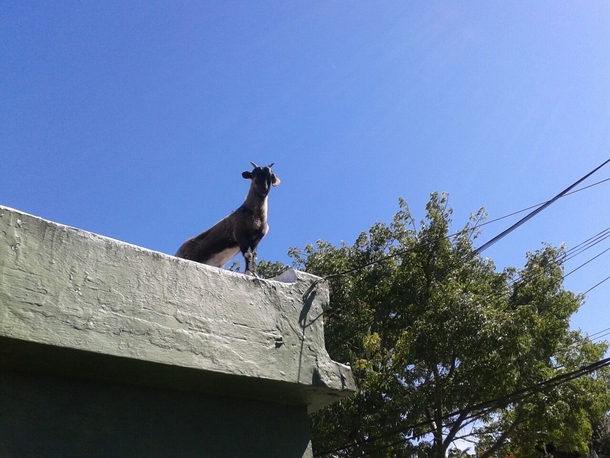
x=127, y=346
x=44, y=416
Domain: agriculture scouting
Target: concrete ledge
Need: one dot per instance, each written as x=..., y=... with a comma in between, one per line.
x=78, y=304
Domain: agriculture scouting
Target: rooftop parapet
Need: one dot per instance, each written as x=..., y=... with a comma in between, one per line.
x=78, y=304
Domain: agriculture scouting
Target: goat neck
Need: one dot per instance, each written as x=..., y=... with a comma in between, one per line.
x=256, y=200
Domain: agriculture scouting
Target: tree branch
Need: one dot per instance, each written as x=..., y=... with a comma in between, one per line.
x=453, y=366
x=502, y=439
x=457, y=426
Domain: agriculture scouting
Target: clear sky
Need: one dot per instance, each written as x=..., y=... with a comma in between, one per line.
x=134, y=120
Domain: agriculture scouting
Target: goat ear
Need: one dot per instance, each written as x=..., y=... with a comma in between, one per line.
x=247, y=175
x=275, y=181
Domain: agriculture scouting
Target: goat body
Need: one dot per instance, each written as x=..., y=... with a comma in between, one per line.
x=241, y=231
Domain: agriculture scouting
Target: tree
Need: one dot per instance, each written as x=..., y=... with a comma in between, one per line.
x=601, y=429
x=601, y=437
x=433, y=332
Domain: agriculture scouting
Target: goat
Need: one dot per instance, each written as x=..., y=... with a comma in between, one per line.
x=241, y=231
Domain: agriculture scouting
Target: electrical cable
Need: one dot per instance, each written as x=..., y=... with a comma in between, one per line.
x=600, y=337
x=593, y=287
x=584, y=264
x=582, y=247
x=538, y=210
x=600, y=236
x=591, y=242
x=370, y=322
x=486, y=406
x=598, y=332
x=564, y=378
x=540, y=204
x=541, y=207
x=577, y=250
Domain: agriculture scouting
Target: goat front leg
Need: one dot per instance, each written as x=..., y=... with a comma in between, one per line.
x=250, y=256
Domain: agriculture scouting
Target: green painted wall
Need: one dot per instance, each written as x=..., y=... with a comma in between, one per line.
x=111, y=350
x=46, y=416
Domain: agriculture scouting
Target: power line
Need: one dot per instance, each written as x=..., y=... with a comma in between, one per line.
x=601, y=235
x=600, y=336
x=606, y=331
x=584, y=264
x=482, y=408
x=489, y=406
x=538, y=210
x=573, y=252
x=589, y=243
x=515, y=397
x=593, y=287
x=540, y=204
x=539, y=207
x=569, y=255
x=577, y=250
x=580, y=248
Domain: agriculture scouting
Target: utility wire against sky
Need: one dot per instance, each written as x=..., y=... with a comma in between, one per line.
x=585, y=263
x=538, y=210
x=471, y=417
x=596, y=334
x=596, y=285
x=568, y=256
x=599, y=335
x=486, y=406
x=512, y=397
x=495, y=220
x=590, y=242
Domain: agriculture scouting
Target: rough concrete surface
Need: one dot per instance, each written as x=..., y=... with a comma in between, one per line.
x=84, y=304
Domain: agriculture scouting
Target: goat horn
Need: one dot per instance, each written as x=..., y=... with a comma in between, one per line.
x=254, y=165
x=271, y=165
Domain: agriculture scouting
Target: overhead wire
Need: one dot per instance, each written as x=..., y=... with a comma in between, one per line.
x=593, y=337
x=600, y=337
x=579, y=249
x=487, y=405
x=605, y=331
x=495, y=220
x=515, y=397
x=585, y=263
x=517, y=279
x=568, y=256
x=481, y=409
x=595, y=286
x=587, y=244
x=539, y=208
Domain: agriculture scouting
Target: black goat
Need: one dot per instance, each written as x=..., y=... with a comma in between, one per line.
x=241, y=231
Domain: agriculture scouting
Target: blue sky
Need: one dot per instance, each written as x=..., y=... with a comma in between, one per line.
x=134, y=120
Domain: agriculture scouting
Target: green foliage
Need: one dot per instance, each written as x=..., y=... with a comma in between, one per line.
x=264, y=269
x=434, y=329
x=601, y=436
